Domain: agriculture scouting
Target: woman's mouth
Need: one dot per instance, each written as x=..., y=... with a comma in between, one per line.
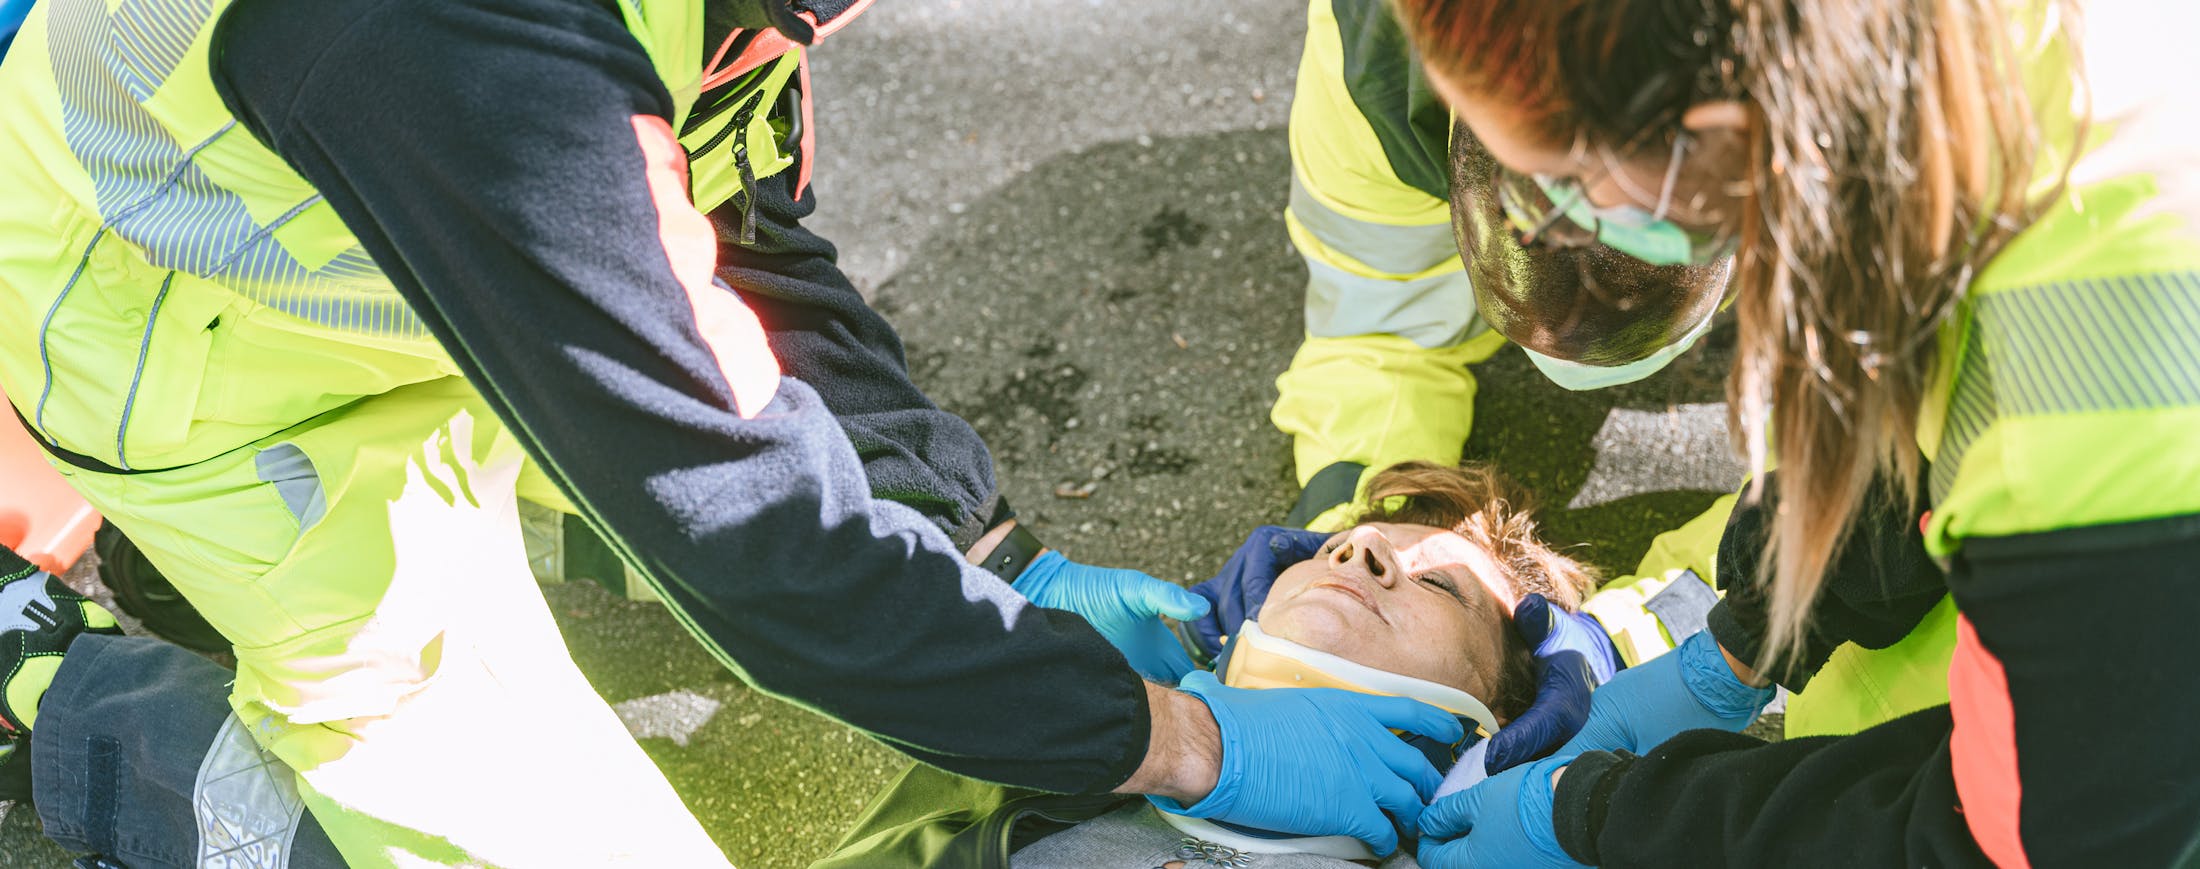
x=1355, y=593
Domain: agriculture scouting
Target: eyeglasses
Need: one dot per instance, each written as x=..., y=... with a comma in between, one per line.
x=1554, y=212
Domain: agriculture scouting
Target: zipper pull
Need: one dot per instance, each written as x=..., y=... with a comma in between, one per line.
x=748, y=194
x=741, y=164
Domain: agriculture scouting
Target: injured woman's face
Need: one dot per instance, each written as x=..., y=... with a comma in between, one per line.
x=1410, y=599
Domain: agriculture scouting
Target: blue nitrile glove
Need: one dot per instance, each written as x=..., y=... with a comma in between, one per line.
x=1123, y=605
x=1549, y=630
x=1238, y=591
x=1318, y=761
x=1689, y=688
x=1505, y=821
x=1572, y=656
x=12, y=13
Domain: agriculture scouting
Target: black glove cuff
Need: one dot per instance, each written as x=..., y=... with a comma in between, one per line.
x=1745, y=643
x=1584, y=798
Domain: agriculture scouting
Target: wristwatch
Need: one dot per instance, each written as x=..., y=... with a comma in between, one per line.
x=1015, y=551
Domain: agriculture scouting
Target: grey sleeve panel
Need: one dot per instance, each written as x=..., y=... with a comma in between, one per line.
x=1385, y=80
x=1135, y=837
x=1684, y=606
x=1393, y=248
x=291, y=472
x=1434, y=312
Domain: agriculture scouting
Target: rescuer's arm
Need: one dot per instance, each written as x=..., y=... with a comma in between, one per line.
x=826, y=335
x=2065, y=742
x=507, y=163
x=1879, y=585
x=1391, y=322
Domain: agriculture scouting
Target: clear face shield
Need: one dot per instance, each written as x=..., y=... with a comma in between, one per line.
x=1597, y=297
x=1554, y=211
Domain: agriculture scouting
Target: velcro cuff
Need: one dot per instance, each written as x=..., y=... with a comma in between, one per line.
x=1584, y=798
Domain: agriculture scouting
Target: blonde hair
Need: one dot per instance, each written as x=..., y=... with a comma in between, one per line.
x=1889, y=149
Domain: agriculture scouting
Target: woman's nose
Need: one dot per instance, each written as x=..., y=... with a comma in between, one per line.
x=1367, y=552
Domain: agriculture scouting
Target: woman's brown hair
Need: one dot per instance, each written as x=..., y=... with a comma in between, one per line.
x=1482, y=505
x=1889, y=148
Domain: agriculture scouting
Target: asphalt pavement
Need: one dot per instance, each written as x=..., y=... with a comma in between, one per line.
x=1072, y=211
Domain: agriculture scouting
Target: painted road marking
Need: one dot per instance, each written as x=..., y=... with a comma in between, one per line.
x=1683, y=447
x=675, y=715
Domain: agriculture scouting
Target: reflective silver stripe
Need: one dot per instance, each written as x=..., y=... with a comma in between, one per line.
x=137, y=375
x=45, y=352
x=246, y=802
x=1384, y=247
x=109, y=58
x=2076, y=347
x=1435, y=311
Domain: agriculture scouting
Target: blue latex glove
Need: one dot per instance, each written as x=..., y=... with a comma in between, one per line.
x=1572, y=656
x=1550, y=630
x=1238, y=591
x=1689, y=688
x=12, y=13
x=1318, y=761
x=1505, y=821
x=1123, y=605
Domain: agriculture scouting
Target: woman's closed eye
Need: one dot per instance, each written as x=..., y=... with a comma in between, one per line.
x=1444, y=584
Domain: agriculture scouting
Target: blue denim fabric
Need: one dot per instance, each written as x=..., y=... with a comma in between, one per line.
x=120, y=738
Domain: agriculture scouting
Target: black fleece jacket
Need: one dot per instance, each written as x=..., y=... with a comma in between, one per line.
x=485, y=153
x=2099, y=697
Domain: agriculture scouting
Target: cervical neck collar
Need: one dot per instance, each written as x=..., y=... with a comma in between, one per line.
x=1254, y=659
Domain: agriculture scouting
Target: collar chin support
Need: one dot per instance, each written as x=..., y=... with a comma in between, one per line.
x=1254, y=659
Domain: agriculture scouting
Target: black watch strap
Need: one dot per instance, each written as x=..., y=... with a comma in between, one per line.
x=1014, y=553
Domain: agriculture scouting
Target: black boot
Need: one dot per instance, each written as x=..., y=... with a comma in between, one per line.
x=149, y=597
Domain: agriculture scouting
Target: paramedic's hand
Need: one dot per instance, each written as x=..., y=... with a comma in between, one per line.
x=1318, y=761
x=1238, y=591
x=1689, y=688
x=1572, y=656
x=1550, y=630
x=1505, y=821
x=1125, y=606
